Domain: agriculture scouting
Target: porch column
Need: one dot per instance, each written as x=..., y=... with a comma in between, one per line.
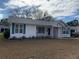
x=59, y=32
x=45, y=31
x=52, y=32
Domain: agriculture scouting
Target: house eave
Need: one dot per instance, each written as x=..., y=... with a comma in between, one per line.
x=31, y=22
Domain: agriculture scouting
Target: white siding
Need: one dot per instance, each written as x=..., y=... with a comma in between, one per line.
x=52, y=33
x=60, y=34
x=76, y=28
x=17, y=35
x=30, y=32
x=11, y=31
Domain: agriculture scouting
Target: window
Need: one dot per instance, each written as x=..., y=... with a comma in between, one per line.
x=64, y=31
x=13, y=29
x=16, y=28
x=40, y=30
x=19, y=28
x=67, y=32
x=73, y=30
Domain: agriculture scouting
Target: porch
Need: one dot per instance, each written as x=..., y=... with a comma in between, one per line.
x=53, y=32
x=47, y=31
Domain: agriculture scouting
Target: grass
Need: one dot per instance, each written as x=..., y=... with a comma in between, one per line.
x=1, y=37
x=39, y=49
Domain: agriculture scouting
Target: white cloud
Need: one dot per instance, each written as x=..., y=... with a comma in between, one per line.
x=61, y=7
x=54, y=7
x=20, y=3
x=1, y=9
x=1, y=16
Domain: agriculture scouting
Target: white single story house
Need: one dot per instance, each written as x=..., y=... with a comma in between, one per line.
x=27, y=27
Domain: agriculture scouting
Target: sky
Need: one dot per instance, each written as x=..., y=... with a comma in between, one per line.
x=65, y=10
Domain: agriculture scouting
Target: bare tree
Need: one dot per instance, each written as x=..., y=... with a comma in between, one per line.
x=29, y=12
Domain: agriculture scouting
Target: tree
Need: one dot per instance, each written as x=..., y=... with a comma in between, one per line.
x=30, y=12
x=73, y=23
x=5, y=22
x=27, y=11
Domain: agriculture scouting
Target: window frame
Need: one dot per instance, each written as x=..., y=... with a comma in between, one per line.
x=19, y=29
x=64, y=31
x=41, y=30
x=16, y=28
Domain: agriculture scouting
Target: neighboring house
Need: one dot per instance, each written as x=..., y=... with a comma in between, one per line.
x=74, y=30
x=28, y=27
x=3, y=27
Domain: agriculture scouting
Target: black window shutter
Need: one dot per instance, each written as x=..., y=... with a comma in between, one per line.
x=24, y=28
x=12, y=28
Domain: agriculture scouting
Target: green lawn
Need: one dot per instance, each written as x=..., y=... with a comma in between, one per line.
x=1, y=36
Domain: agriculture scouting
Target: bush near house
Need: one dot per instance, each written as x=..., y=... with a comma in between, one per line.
x=7, y=34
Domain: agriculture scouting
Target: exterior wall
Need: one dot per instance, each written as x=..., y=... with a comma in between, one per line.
x=31, y=27
x=76, y=28
x=61, y=35
x=46, y=32
x=11, y=35
x=30, y=32
x=55, y=32
x=52, y=33
x=42, y=34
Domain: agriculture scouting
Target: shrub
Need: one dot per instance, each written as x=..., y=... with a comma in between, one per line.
x=7, y=34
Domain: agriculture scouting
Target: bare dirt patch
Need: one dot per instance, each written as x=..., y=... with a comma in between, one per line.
x=40, y=49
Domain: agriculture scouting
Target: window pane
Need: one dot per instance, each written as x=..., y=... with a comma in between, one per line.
x=73, y=30
x=67, y=32
x=16, y=31
x=24, y=29
x=16, y=28
x=13, y=28
x=21, y=28
x=21, y=31
x=63, y=32
x=40, y=30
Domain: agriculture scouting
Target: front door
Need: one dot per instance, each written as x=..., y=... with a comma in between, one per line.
x=55, y=32
x=48, y=31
